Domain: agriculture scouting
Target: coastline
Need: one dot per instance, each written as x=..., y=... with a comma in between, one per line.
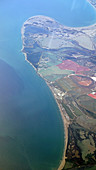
x=63, y=112
x=65, y=125
x=65, y=122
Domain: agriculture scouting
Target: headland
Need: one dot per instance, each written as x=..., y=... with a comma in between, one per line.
x=65, y=58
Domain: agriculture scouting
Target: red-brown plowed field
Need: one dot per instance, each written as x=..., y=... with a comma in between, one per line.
x=82, y=80
x=71, y=65
x=92, y=95
x=85, y=83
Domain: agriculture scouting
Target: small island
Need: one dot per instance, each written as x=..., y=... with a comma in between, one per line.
x=65, y=58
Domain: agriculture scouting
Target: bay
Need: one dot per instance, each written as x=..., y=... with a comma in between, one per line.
x=31, y=128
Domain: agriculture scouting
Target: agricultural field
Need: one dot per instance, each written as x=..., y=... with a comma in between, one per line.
x=66, y=83
x=82, y=81
x=53, y=70
x=68, y=64
x=93, y=95
x=76, y=110
x=87, y=103
x=71, y=65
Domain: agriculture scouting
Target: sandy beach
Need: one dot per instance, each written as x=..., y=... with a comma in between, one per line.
x=65, y=122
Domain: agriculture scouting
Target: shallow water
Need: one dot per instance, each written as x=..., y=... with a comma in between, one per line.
x=31, y=128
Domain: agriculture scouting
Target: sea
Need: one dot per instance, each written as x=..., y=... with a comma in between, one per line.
x=31, y=127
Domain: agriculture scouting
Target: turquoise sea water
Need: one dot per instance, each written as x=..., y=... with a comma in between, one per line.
x=31, y=128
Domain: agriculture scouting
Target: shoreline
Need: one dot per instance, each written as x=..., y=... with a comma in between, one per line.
x=65, y=122
x=63, y=113
x=65, y=126
x=62, y=24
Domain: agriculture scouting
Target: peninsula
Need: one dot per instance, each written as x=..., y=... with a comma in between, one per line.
x=65, y=58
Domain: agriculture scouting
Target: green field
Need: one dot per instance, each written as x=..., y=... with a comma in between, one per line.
x=66, y=84
x=68, y=111
x=54, y=72
x=54, y=77
x=87, y=102
x=77, y=112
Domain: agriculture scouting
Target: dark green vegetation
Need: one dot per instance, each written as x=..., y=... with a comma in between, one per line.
x=65, y=58
x=81, y=148
x=68, y=111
